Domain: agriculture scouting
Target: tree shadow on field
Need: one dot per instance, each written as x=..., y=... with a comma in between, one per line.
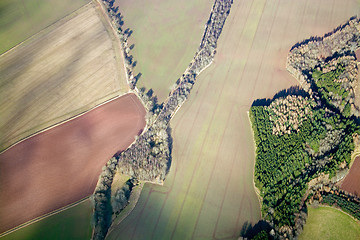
x=294, y=90
x=249, y=231
x=170, y=142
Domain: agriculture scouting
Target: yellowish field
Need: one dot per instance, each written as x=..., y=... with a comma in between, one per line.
x=209, y=192
x=166, y=36
x=64, y=70
x=331, y=224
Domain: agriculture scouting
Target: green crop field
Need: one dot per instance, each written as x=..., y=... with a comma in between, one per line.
x=330, y=223
x=166, y=35
x=209, y=192
x=21, y=19
x=72, y=223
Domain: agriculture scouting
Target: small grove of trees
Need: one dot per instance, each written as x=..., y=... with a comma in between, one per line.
x=306, y=55
x=121, y=196
x=335, y=83
x=117, y=22
x=284, y=165
x=149, y=157
x=331, y=195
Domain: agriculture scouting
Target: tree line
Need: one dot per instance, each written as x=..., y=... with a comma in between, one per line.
x=149, y=157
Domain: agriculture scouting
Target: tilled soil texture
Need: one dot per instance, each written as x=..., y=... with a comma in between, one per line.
x=62, y=165
x=351, y=183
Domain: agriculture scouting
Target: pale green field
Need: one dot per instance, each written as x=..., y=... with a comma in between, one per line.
x=166, y=36
x=73, y=223
x=209, y=193
x=330, y=224
x=21, y=19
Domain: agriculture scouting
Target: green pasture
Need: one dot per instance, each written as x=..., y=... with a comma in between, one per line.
x=330, y=223
x=21, y=19
x=166, y=35
x=72, y=223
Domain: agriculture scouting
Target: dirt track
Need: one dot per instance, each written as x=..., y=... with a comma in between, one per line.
x=351, y=182
x=62, y=165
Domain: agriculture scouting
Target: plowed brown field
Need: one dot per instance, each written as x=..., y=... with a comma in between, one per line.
x=62, y=165
x=351, y=182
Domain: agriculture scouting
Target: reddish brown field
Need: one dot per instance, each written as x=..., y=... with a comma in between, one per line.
x=62, y=165
x=351, y=182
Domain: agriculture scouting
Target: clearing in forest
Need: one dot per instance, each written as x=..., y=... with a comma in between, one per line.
x=166, y=35
x=61, y=166
x=209, y=192
x=330, y=223
x=58, y=73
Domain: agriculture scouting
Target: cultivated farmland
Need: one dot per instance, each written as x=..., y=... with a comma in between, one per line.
x=209, y=193
x=71, y=67
x=61, y=166
x=330, y=223
x=166, y=35
x=21, y=19
x=72, y=223
x=351, y=182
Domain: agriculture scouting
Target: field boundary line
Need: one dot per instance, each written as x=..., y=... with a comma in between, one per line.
x=337, y=208
x=42, y=217
x=50, y=27
x=64, y=121
x=257, y=191
x=115, y=39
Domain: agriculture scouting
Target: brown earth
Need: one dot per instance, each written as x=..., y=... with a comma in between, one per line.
x=351, y=182
x=60, y=166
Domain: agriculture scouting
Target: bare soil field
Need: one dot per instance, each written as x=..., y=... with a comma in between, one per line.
x=351, y=183
x=21, y=19
x=63, y=71
x=209, y=192
x=166, y=35
x=61, y=165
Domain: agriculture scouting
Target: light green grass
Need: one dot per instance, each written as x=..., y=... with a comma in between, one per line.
x=73, y=223
x=330, y=223
x=20, y=19
x=166, y=36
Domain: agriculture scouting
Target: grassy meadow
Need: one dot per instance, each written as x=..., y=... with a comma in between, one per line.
x=72, y=223
x=209, y=192
x=21, y=19
x=166, y=35
x=331, y=224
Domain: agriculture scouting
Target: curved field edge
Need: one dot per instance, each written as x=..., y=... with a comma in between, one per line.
x=73, y=177
x=330, y=223
x=37, y=93
x=165, y=37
